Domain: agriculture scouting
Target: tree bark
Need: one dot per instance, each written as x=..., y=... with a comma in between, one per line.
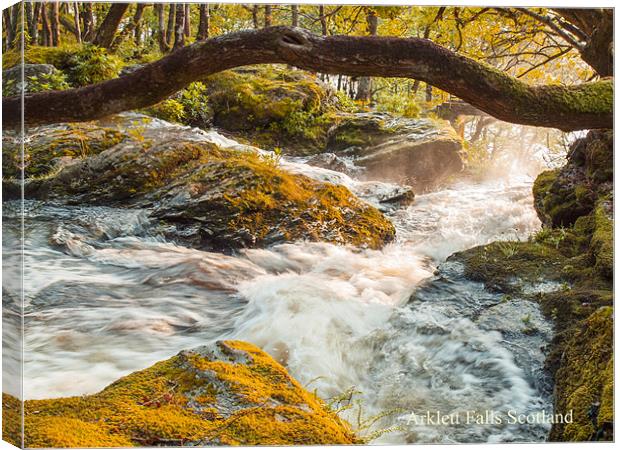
x=203, y=25
x=107, y=30
x=187, y=28
x=28, y=20
x=268, y=16
x=179, y=27
x=46, y=29
x=76, y=20
x=588, y=30
x=255, y=23
x=364, y=87
x=323, y=20
x=295, y=15
x=8, y=26
x=568, y=108
x=170, y=25
x=130, y=28
x=88, y=21
x=55, y=23
x=161, y=27
x=429, y=92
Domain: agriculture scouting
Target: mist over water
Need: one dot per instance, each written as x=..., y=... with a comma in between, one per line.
x=106, y=295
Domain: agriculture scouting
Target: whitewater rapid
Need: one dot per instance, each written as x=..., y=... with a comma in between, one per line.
x=107, y=295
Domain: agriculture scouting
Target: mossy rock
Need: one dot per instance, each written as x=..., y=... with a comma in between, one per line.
x=214, y=198
x=422, y=153
x=49, y=146
x=227, y=393
x=563, y=195
x=603, y=238
x=561, y=198
x=273, y=107
x=82, y=64
x=508, y=266
x=584, y=381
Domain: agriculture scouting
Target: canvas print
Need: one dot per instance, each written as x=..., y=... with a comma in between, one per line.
x=302, y=224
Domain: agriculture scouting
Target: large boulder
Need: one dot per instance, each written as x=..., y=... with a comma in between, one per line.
x=211, y=197
x=227, y=393
x=563, y=195
x=36, y=77
x=49, y=147
x=418, y=152
x=273, y=107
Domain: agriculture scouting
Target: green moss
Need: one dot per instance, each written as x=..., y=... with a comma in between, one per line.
x=585, y=377
x=558, y=202
x=170, y=110
x=272, y=106
x=595, y=97
x=78, y=140
x=508, y=266
x=602, y=241
x=82, y=64
x=176, y=402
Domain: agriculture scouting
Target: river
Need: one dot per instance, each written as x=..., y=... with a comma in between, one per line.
x=106, y=295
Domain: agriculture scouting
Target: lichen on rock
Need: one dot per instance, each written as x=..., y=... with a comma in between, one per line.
x=227, y=393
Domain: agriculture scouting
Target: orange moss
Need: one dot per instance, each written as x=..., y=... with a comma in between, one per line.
x=231, y=393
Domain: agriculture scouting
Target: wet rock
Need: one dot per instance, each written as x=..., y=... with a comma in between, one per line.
x=419, y=152
x=329, y=161
x=567, y=272
x=226, y=393
x=211, y=197
x=48, y=148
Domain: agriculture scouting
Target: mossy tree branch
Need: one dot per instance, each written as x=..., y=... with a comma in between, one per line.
x=584, y=106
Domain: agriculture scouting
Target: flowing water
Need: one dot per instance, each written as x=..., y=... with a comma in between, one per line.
x=105, y=295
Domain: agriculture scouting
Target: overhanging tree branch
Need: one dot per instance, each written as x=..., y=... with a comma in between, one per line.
x=584, y=106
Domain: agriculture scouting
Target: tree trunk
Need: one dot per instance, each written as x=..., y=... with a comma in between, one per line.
x=429, y=93
x=107, y=29
x=28, y=21
x=55, y=23
x=161, y=27
x=295, y=15
x=568, y=108
x=170, y=26
x=33, y=26
x=323, y=20
x=15, y=19
x=179, y=27
x=131, y=27
x=8, y=26
x=76, y=22
x=255, y=23
x=187, y=29
x=89, y=22
x=364, y=87
x=203, y=25
x=268, y=16
x=46, y=29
